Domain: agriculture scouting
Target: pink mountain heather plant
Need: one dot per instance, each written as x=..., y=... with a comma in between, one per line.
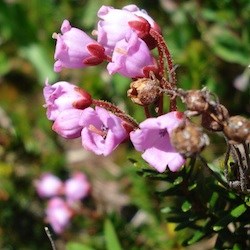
x=125, y=38
x=152, y=138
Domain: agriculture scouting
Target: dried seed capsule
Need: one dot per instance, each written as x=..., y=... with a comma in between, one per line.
x=237, y=129
x=144, y=91
x=214, y=118
x=188, y=139
x=196, y=100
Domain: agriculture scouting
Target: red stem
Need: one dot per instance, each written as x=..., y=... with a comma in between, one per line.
x=161, y=63
x=163, y=50
x=163, y=47
x=160, y=105
x=115, y=110
x=146, y=111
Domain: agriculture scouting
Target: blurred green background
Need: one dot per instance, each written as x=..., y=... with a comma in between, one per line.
x=209, y=41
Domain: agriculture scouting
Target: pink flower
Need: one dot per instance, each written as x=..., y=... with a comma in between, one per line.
x=62, y=96
x=147, y=38
x=142, y=13
x=102, y=131
x=58, y=214
x=132, y=58
x=115, y=24
x=67, y=123
x=77, y=187
x=152, y=138
x=75, y=49
x=48, y=185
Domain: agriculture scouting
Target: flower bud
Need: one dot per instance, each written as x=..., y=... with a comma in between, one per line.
x=214, y=118
x=237, y=129
x=144, y=91
x=188, y=139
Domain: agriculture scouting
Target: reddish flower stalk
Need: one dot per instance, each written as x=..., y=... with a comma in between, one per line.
x=162, y=75
x=163, y=50
x=160, y=105
x=161, y=63
x=163, y=47
x=146, y=111
x=115, y=110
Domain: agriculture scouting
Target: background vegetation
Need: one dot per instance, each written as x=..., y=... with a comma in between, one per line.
x=210, y=43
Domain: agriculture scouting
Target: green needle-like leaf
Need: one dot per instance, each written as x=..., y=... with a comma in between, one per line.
x=112, y=242
x=186, y=206
x=234, y=214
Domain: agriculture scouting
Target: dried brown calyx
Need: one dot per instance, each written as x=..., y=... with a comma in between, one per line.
x=189, y=139
x=215, y=118
x=144, y=91
x=237, y=129
x=196, y=100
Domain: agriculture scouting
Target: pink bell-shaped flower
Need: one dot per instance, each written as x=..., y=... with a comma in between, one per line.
x=58, y=214
x=67, y=123
x=62, y=96
x=147, y=38
x=48, y=185
x=132, y=58
x=102, y=131
x=116, y=24
x=75, y=49
x=152, y=138
x=77, y=187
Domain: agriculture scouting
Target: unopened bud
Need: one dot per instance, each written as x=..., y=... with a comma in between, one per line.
x=144, y=91
x=188, y=139
x=214, y=118
x=237, y=129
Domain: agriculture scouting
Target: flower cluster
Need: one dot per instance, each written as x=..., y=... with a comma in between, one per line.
x=63, y=197
x=125, y=39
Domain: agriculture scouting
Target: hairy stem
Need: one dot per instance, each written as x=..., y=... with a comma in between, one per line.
x=163, y=50
x=115, y=110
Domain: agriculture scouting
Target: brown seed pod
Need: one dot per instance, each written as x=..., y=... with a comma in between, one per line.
x=189, y=139
x=237, y=129
x=196, y=100
x=144, y=91
x=214, y=118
